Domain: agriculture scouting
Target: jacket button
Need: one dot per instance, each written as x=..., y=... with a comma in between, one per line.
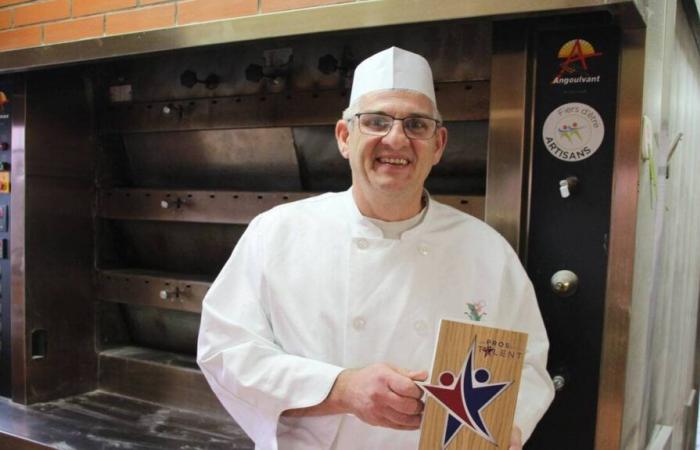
x=362, y=244
x=423, y=249
x=358, y=323
x=421, y=327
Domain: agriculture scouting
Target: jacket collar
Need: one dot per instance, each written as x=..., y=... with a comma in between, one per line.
x=361, y=226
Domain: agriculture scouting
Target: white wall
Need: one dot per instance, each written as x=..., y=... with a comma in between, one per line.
x=667, y=262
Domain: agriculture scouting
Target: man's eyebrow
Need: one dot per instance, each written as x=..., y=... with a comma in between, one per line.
x=424, y=115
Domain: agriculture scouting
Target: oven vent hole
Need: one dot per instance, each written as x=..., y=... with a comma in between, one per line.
x=464, y=202
x=212, y=196
x=39, y=343
x=260, y=197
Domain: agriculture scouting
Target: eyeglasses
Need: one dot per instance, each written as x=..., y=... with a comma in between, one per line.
x=376, y=124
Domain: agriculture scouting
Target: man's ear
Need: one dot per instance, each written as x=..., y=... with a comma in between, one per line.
x=440, y=144
x=342, y=135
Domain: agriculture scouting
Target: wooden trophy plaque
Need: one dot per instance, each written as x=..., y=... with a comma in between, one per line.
x=471, y=396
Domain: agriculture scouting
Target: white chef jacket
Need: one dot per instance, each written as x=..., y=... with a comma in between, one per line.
x=312, y=287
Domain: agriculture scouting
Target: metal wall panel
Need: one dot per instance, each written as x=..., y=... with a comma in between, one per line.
x=58, y=255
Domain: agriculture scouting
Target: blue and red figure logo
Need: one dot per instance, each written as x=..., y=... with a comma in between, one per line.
x=465, y=398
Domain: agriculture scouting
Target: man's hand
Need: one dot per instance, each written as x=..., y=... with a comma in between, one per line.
x=516, y=440
x=381, y=395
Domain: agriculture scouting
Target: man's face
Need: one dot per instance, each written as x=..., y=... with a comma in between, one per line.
x=391, y=164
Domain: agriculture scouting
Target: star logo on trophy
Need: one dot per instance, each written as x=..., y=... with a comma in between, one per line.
x=465, y=397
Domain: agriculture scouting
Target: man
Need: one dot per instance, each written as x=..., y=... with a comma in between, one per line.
x=326, y=314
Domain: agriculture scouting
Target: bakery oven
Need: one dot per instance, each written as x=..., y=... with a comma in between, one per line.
x=133, y=177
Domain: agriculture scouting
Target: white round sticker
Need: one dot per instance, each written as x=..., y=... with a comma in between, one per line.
x=573, y=132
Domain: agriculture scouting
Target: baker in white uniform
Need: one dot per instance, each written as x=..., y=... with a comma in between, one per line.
x=327, y=311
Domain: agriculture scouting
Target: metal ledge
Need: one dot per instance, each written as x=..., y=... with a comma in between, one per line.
x=458, y=101
x=346, y=16
x=155, y=289
x=231, y=207
x=165, y=378
x=102, y=420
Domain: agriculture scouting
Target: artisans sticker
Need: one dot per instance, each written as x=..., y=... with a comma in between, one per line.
x=573, y=132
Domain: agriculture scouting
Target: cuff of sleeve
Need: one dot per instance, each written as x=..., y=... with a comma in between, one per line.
x=259, y=415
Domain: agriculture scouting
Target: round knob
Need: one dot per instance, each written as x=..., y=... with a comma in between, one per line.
x=164, y=295
x=164, y=204
x=254, y=73
x=564, y=283
x=167, y=110
x=559, y=382
x=327, y=64
x=188, y=79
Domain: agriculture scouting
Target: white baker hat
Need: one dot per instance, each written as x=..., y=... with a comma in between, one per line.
x=393, y=68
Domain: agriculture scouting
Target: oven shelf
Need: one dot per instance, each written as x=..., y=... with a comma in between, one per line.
x=104, y=420
x=185, y=387
x=152, y=288
x=459, y=101
x=229, y=207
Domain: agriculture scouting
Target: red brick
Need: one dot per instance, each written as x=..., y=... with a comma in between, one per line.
x=85, y=7
x=281, y=5
x=13, y=2
x=42, y=12
x=141, y=19
x=20, y=38
x=5, y=19
x=74, y=30
x=205, y=10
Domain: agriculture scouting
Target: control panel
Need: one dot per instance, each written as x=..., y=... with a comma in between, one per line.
x=5, y=188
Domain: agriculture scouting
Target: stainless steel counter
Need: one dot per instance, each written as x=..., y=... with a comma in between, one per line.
x=100, y=420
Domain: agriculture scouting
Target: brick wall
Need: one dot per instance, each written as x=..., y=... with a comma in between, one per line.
x=33, y=23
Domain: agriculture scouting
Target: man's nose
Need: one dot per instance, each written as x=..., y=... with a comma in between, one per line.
x=396, y=137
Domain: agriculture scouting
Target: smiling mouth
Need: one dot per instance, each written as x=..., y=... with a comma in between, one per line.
x=393, y=161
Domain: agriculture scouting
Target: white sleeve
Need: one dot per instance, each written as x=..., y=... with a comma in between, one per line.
x=536, y=388
x=252, y=376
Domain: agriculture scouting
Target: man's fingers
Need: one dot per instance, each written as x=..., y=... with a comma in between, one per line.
x=516, y=439
x=397, y=419
x=404, y=386
x=420, y=375
x=405, y=405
